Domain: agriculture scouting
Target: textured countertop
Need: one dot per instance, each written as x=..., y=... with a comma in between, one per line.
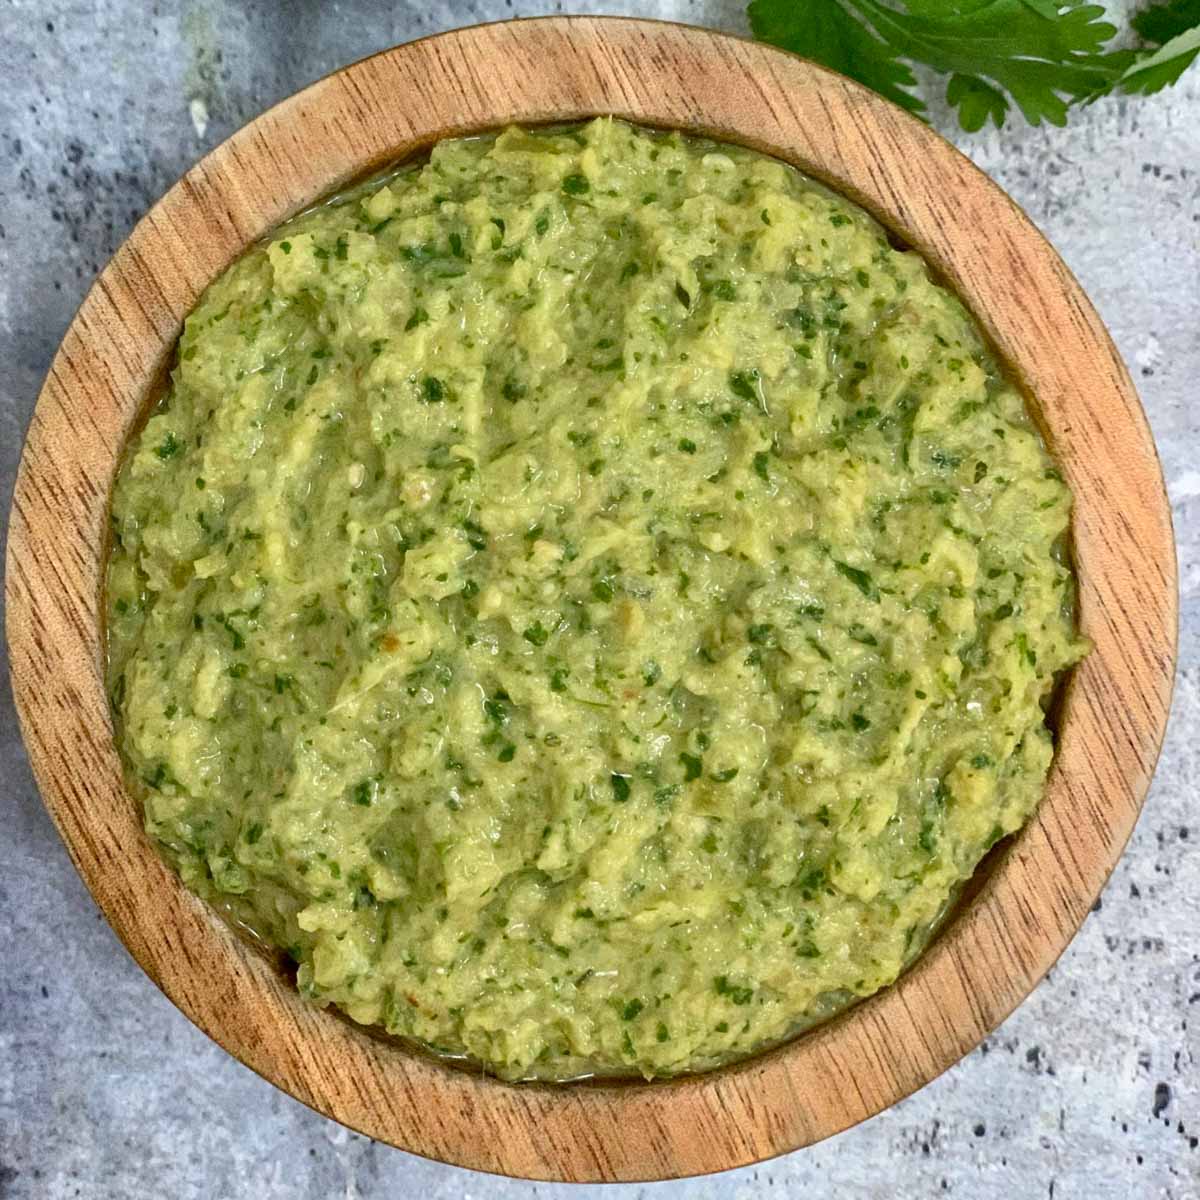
x=1090, y=1090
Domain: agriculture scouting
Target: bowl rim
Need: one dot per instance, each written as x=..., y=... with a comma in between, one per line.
x=664, y=74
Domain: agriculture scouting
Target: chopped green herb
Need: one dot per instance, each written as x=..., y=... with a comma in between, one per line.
x=535, y=634
x=860, y=578
x=744, y=385
x=734, y=993
x=168, y=447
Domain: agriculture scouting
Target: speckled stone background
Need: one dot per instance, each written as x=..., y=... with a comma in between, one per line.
x=1092, y=1090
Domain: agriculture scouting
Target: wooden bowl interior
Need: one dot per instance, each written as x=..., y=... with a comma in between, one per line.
x=1018, y=912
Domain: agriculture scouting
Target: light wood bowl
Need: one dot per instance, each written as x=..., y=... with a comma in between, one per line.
x=1029, y=897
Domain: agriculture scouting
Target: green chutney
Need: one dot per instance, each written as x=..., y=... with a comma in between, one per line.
x=589, y=599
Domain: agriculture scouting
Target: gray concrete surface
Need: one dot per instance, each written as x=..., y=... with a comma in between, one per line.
x=1091, y=1090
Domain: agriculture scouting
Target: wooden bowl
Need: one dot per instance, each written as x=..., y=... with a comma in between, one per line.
x=1030, y=896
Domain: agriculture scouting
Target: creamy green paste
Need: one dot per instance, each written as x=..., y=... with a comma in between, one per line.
x=589, y=599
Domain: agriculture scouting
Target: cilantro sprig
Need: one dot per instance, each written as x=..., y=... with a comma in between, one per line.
x=1044, y=56
x=1174, y=28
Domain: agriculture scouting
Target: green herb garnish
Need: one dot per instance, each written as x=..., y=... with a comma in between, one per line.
x=735, y=993
x=1044, y=56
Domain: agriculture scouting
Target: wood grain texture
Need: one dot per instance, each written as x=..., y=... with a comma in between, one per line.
x=1037, y=890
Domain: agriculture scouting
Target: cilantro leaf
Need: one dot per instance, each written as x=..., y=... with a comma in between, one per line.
x=1043, y=56
x=1159, y=23
x=975, y=101
x=1002, y=48
x=1164, y=66
x=829, y=33
x=1172, y=30
x=1044, y=8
